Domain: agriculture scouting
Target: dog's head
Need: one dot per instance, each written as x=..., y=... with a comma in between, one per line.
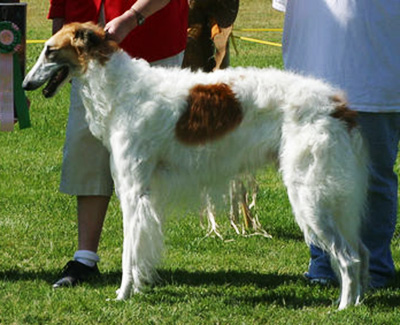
x=67, y=54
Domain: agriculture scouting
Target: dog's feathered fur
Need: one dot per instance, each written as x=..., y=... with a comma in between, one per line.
x=171, y=132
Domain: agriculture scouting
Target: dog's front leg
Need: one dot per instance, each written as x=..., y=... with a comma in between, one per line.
x=143, y=238
x=143, y=242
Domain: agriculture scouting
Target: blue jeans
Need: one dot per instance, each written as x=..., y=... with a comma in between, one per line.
x=381, y=131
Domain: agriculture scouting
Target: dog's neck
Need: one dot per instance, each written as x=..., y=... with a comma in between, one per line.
x=103, y=88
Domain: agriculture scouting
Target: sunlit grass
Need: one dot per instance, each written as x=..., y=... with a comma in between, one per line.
x=204, y=280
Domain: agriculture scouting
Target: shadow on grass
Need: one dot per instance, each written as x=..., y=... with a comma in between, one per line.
x=235, y=288
x=232, y=278
x=290, y=291
x=167, y=278
x=180, y=286
x=283, y=290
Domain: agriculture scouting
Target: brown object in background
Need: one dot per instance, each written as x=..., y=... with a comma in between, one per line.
x=210, y=25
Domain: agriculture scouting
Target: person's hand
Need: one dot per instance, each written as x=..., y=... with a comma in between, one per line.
x=118, y=28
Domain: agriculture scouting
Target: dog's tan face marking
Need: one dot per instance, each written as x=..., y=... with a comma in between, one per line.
x=80, y=43
x=212, y=112
x=66, y=54
x=59, y=48
x=344, y=113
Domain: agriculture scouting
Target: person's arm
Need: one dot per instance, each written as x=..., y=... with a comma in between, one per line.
x=57, y=13
x=58, y=23
x=119, y=27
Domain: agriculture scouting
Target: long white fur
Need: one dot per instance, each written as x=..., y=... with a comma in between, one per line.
x=133, y=109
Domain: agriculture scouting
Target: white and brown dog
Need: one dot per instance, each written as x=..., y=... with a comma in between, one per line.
x=173, y=133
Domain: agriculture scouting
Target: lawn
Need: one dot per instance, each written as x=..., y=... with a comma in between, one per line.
x=205, y=280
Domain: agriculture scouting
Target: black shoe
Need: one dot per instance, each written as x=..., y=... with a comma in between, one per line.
x=75, y=272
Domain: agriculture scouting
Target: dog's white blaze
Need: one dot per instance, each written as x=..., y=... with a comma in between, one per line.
x=41, y=71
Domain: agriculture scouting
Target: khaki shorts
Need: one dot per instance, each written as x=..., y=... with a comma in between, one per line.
x=86, y=166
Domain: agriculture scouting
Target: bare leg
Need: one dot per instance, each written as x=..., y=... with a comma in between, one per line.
x=91, y=215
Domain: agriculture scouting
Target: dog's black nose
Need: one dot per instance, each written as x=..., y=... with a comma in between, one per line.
x=26, y=85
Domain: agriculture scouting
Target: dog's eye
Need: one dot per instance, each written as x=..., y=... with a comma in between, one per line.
x=50, y=51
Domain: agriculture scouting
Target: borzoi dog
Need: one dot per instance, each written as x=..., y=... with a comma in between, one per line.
x=171, y=132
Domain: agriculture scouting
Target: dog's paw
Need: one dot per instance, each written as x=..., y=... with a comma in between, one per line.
x=119, y=296
x=122, y=294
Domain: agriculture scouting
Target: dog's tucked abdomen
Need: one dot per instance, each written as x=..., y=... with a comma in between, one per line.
x=212, y=112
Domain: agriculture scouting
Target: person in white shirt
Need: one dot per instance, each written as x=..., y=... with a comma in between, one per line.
x=355, y=45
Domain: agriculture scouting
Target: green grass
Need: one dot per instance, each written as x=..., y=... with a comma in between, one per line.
x=204, y=280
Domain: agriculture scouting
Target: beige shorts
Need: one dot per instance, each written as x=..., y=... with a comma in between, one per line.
x=86, y=167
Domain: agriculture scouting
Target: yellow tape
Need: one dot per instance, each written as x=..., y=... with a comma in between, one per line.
x=259, y=30
x=37, y=41
x=254, y=40
x=236, y=30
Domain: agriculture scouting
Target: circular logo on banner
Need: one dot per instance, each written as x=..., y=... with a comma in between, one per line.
x=10, y=37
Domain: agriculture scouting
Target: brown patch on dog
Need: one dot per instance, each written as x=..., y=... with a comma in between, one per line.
x=212, y=112
x=344, y=113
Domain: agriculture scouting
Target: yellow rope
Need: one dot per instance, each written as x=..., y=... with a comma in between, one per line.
x=254, y=40
x=258, y=30
x=236, y=30
x=35, y=41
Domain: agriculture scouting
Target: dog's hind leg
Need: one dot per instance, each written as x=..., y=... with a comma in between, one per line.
x=347, y=261
x=321, y=227
x=364, y=268
x=350, y=260
x=326, y=178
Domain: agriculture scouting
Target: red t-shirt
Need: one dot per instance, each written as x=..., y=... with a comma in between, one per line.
x=162, y=35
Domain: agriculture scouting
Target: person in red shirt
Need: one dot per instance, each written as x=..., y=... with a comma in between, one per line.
x=154, y=30
x=161, y=35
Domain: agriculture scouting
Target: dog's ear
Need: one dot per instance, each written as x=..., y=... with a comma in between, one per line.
x=86, y=38
x=90, y=41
